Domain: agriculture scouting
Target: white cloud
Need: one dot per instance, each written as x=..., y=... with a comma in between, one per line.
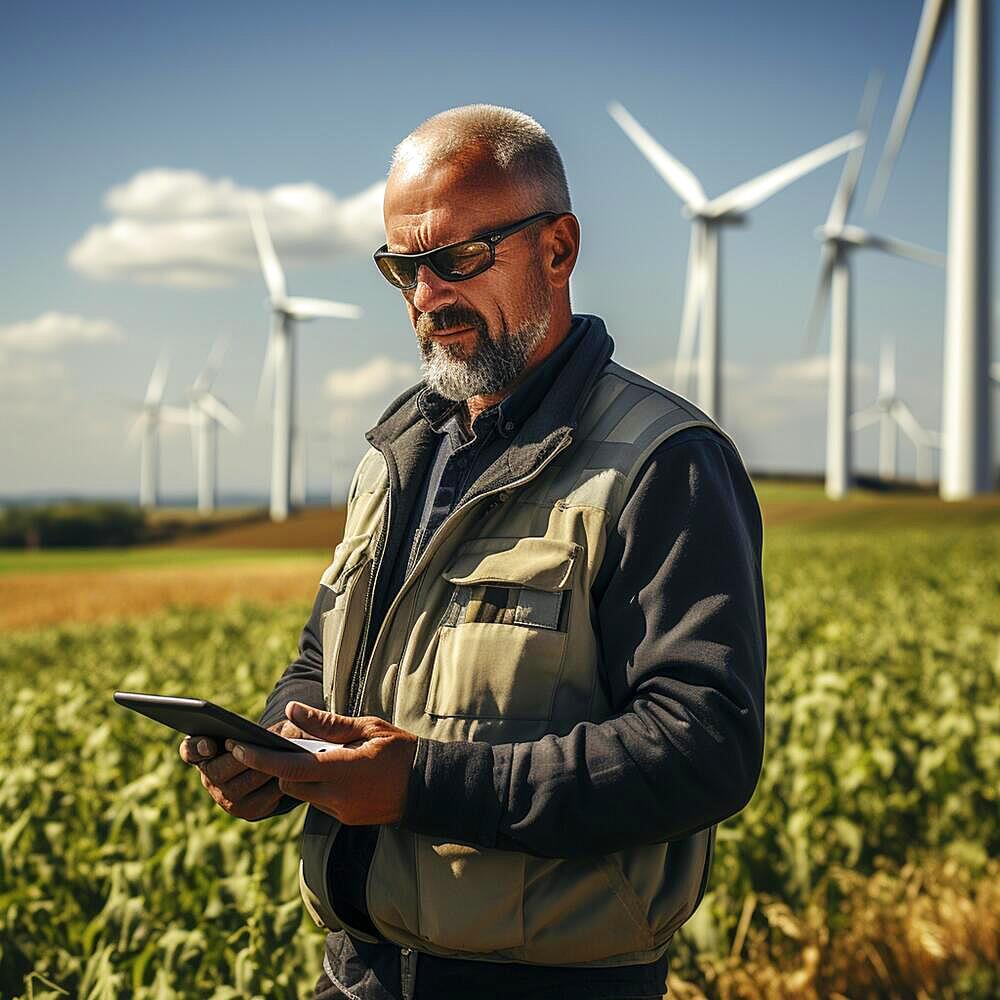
x=814, y=369
x=181, y=228
x=53, y=330
x=374, y=378
x=29, y=373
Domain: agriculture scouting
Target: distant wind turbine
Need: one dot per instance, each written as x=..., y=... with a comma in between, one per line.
x=839, y=241
x=152, y=413
x=279, y=362
x=701, y=296
x=891, y=412
x=965, y=411
x=206, y=413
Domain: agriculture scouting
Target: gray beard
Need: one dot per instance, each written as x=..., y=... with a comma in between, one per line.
x=490, y=367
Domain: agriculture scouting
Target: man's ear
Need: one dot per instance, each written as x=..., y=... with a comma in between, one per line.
x=562, y=242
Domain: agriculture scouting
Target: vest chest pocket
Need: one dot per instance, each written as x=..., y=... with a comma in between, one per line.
x=347, y=577
x=503, y=635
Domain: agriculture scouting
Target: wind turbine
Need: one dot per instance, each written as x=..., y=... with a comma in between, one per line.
x=701, y=296
x=839, y=240
x=279, y=362
x=206, y=413
x=891, y=412
x=152, y=412
x=965, y=411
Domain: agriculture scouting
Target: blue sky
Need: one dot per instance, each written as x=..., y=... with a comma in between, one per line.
x=269, y=95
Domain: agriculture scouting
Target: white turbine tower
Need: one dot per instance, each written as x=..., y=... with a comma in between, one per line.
x=279, y=362
x=839, y=240
x=891, y=412
x=701, y=296
x=965, y=412
x=206, y=413
x=152, y=413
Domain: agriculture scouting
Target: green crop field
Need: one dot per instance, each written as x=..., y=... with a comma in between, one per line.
x=865, y=865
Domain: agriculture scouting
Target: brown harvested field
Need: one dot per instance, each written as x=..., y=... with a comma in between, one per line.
x=312, y=528
x=863, y=512
x=33, y=599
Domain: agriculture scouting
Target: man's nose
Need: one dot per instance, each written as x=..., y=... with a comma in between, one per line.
x=432, y=292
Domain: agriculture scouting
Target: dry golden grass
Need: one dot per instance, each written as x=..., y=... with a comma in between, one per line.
x=916, y=933
x=33, y=599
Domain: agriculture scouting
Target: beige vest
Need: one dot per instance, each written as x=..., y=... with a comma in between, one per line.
x=491, y=639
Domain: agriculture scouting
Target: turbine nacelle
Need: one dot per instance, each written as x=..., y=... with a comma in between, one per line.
x=704, y=213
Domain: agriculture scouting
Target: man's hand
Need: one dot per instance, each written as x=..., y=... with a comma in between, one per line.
x=363, y=783
x=238, y=790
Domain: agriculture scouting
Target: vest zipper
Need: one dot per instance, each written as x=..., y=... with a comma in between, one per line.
x=362, y=664
x=407, y=972
x=353, y=697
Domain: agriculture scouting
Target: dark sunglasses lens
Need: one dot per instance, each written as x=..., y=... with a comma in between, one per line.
x=462, y=261
x=398, y=270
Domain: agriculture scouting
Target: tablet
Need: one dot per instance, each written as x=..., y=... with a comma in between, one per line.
x=196, y=717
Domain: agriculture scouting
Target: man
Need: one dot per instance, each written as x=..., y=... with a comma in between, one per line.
x=542, y=638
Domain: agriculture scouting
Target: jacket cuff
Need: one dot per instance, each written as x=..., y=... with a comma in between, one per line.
x=457, y=791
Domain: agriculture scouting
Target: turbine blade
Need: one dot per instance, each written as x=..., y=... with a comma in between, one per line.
x=908, y=423
x=743, y=197
x=865, y=418
x=221, y=413
x=693, y=294
x=928, y=32
x=274, y=276
x=300, y=308
x=267, y=372
x=995, y=372
x=678, y=176
x=887, y=371
x=158, y=380
x=844, y=197
x=889, y=244
x=136, y=430
x=817, y=313
x=206, y=377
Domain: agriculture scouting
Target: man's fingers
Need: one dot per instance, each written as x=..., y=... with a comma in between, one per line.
x=288, y=729
x=294, y=766
x=322, y=725
x=302, y=790
x=194, y=749
x=253, y=803
x=223, y=768
x=259, y=803
x=243, y=784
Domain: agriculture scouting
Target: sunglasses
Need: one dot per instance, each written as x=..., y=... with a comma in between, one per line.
x=455, y=262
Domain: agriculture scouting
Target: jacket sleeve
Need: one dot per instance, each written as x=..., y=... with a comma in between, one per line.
x=301, y=681
x=679, y=607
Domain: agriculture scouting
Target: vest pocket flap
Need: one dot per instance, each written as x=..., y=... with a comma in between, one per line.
x=347, y=557
x=539, y=563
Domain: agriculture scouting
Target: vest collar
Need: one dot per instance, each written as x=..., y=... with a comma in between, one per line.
x=554, y=418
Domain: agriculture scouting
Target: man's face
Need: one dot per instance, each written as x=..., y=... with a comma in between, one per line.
x=475, y=336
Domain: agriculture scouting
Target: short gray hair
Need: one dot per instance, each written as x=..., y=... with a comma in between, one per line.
x=517, y=144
